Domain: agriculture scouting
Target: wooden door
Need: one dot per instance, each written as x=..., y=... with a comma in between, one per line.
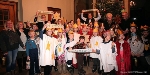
x=58, y=10
x=8, y=12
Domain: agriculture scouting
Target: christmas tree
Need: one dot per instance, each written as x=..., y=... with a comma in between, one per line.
x=109, y=6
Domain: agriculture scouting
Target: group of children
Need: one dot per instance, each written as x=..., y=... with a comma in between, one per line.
x=108, y=56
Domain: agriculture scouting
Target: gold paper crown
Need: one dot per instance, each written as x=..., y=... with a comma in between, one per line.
x=48, y=29
x=95, y=30
x=70, y=32
x=95, y=24
x=119, y=31
x=145, y=28
x=133, y=25
x=75, y=26
x=60, y=30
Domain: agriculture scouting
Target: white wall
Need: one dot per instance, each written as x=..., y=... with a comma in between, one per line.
x=31, y=6
x=66, y=6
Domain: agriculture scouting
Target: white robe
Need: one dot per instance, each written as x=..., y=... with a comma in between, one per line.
x=63, y=42
x=70, y=55
x=95, y=43
x=76, y=37
x=47, y=56
x=107, y=58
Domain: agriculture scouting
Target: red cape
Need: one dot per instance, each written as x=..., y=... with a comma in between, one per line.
x=126, y=56
x=90, y=33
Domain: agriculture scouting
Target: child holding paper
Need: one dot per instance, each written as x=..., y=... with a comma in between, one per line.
x=80, y=56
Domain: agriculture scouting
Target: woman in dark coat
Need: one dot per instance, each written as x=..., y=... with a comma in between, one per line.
x=9, y=43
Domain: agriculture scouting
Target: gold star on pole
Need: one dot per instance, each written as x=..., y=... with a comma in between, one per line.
x=57, y=16
x=48, y=46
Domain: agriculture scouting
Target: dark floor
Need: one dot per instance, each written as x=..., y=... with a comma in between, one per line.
x=25, y=72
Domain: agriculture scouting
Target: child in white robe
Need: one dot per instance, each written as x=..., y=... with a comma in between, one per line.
x=60, y=51
x=94, y=43
x=69, y=55
x=108, y=53
x=47, y=50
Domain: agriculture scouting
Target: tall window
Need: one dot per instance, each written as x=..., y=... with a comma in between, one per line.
x=4, y=16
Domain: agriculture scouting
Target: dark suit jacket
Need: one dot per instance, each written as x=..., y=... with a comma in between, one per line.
x=106, y=25
x=41, y=24
x=25, y=32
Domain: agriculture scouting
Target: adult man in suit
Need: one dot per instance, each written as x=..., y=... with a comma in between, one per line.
x=90, y=17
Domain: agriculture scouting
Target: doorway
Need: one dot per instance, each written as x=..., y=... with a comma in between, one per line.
x=8, y=11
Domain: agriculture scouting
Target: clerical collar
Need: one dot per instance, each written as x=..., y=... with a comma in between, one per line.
x=106, y=42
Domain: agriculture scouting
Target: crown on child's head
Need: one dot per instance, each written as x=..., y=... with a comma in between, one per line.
x=70, y=32
x=133, y=24
x=96, y=24
x=60, y=30
x=119, y=32
x=75, y=26
x=145, y=28
x=95, y=30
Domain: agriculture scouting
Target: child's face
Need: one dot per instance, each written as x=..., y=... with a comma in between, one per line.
x=71, y=36
x=145, y=33
x=59, y=33
x=112, y=32
x=108, y=35
x=67, y=29
x=82, y=40
x=35, y=27
x=32, y=34
x=133, y=29
x=95, y=33
x=121, y=37
x=49, y=32
x=75, y=29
